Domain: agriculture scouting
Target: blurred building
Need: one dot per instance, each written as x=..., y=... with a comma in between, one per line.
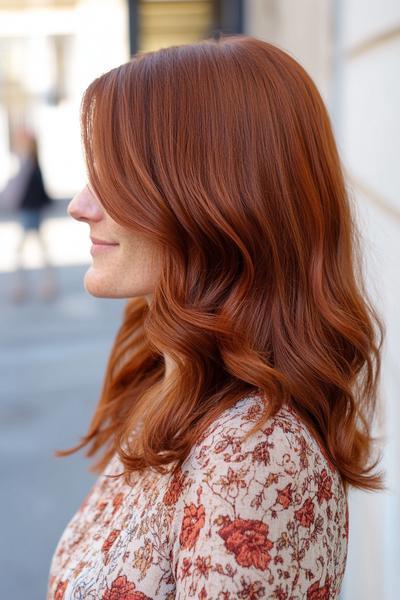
x=51, y=50
x=351, y=48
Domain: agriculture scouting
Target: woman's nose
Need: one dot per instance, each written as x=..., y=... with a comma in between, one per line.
x=84, y=206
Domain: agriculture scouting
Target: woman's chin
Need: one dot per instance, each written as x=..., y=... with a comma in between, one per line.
x=96, y=285
x=103, y=284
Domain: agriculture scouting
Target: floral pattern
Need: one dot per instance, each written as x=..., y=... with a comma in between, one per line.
x=264, y=518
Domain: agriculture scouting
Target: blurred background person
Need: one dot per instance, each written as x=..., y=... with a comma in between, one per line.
x=26, y=193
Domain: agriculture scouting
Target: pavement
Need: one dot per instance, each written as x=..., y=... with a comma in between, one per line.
x=52, y=360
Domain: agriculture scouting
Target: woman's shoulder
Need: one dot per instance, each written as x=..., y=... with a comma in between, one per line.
x=283, y=440
x=270, y=504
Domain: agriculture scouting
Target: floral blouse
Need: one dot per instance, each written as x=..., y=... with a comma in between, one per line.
x=267, y=518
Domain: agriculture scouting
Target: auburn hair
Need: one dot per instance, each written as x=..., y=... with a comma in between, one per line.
x=222, y=152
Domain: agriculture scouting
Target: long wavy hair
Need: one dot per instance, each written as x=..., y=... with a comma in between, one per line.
x=222, y=152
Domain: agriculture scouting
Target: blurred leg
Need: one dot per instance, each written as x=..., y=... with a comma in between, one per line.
x=21, y=289
x=49, y=288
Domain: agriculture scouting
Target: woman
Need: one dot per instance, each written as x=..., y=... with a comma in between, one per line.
x=26, y=194
x=238, y=401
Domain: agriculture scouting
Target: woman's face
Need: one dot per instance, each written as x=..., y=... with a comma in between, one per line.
x=124, y=263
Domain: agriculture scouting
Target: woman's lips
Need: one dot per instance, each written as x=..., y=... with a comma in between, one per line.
x=101, y=245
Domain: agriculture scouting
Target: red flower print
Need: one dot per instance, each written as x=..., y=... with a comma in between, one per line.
x=185, y=569
x=108, y=543
x=324, y=453
x=174, y=489
x=324, y=487
x=60, y=590
x=203, y=566
x=100, y=508
x=220, y=544
x=284, y=496
x=261, y=453
x=228, y=440
x=117, y=501
x=271, y=479
x=251, y=591
x=78, y=568
x=253, y=413
x=247, y=539
x=193, y=521
x=347, y=521
x=122, y=589
x=203, y=594
x=305, y=514
x=316, y=593
x=303, y=452
x=280, y=594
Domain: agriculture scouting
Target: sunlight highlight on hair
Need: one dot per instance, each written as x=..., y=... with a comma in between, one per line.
x=222, y=152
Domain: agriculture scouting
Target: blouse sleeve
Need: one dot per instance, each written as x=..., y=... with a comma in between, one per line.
x=258, y=520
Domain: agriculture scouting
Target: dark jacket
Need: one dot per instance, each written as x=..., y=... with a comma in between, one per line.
x=34, y=195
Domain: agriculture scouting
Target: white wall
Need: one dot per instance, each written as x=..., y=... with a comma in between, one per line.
x=369, y=130
x=98, y=32
x=351, y=48
x=301, y=27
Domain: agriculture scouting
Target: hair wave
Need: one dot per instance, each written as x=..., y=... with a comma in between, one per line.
x=222, y=152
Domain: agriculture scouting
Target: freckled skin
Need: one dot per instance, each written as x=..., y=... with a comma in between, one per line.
x=128, y=270
x=124, y=271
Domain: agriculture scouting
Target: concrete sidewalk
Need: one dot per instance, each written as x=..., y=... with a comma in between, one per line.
x=52, y=361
